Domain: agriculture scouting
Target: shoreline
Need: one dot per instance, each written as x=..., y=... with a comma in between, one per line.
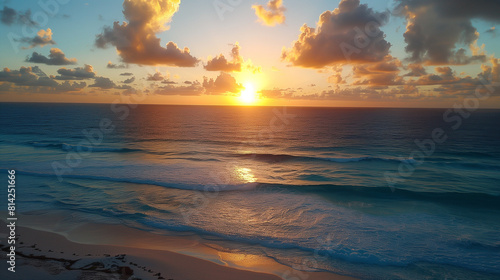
x=61, y=251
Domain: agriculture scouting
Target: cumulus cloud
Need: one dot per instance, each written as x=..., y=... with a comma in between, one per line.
x=33, y=79
x=79, y=73
x=111, y=65
x=436, y=27
x=220, y=63
x=56, y=57
x=42, y=38
x=103, y=83
x=27, y=76
x=136, y=40
x=237, y=63
x=274, y=14
x=350, y=33
x=224, y=83
x=157, y=77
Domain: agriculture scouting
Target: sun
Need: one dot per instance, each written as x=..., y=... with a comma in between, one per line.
x=248, y=95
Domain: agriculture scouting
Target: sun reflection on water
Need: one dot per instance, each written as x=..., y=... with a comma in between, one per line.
x=245, y=174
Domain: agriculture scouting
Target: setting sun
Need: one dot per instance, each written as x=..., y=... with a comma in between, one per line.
x=248, y=95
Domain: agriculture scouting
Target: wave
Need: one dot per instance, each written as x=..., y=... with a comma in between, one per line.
x=459, y=199
x=84, y=148
x=275, y=158
x=462, y=199
x=194, y=187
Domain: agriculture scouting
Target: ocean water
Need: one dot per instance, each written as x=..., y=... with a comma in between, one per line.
x=356, y=191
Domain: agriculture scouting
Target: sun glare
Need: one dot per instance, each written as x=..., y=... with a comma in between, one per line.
x=248, y=95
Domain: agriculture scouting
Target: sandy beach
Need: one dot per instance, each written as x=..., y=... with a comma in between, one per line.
x=42, y=254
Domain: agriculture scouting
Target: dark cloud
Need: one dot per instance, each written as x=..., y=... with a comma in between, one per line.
x=43, y=37
x=79, y=73
x=116, y=66
x=416, y=70
x=33, y=79
x=168, y=82
x=56, y=57
x=436, y=27
x=224, y=83
x=136, y=40
x=350, y=33
x=27, y=76
x=103, y=83
x=10, y=16
x=126, y=74
x=129, y=80
x=274, y=14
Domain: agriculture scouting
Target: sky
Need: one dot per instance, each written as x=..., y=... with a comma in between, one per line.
x=379, y=53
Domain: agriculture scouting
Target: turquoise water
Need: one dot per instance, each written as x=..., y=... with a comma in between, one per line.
x=344, y=190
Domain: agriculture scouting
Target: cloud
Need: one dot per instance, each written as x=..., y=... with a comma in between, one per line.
x=129, y=80
x=27, y=76
x=220, y=63
x=380, y=74
x=416, y=70
x=116, y=66
x=224, y=83
x=43, y=37
x=237, y=64
x=274, y=14
x=79, y=73
x=194, y=88
x=9, y=16
x=349, y=34
x=33, y=79
x=136, y=40
x=103, y=83
x=56, y=57
x=156, y=77
x=277, y=93
x=436, y=27
x=126, y=74
x=492, y=31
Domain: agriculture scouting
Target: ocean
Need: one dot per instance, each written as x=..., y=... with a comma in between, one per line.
x=374, y=193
